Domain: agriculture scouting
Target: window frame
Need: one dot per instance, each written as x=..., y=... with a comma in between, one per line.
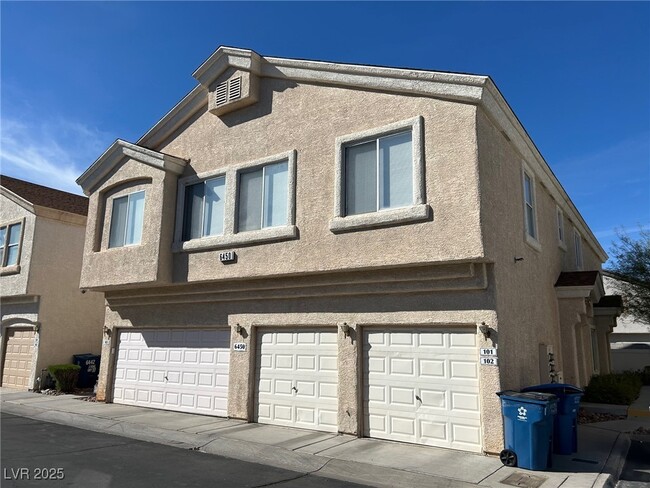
x=532, y=240
x=595, y=352
x=8, y=269
x=128, y=196
x=561, y=228
x=578, y=249
x=417, y=211
x=231, y=236
x=202, y=181
x=263, y=210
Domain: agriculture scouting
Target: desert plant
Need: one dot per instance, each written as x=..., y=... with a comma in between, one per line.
x=65, y=376
x=614, y=389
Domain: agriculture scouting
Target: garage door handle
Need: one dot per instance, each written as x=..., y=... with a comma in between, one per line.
x=294, y=389
x=166, y=379
x=418, y=398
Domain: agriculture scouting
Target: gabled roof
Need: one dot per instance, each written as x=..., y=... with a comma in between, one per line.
x=466, y=88
x=121, y=150
x=44, y=196
x=573, y=284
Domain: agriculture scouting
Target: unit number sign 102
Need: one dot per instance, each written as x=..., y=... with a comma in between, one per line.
x=490, y=361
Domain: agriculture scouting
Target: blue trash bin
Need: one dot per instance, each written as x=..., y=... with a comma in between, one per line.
x=528, y=429
x=565, y=428
x=89, y=371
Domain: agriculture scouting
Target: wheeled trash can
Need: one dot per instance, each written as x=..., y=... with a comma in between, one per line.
x=528, y=429
x=565, y=428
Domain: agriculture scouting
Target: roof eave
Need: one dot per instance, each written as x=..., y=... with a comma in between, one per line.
x=120, y=150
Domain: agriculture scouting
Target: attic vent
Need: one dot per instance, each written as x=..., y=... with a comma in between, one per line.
x=234, y=88
x=228, y=91
x=222, y=94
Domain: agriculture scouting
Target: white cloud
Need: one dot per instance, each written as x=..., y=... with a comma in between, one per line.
x=51, y=152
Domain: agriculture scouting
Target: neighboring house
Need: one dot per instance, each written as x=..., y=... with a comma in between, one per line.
x=45, y=317
x=630, y=340
x=331, y=246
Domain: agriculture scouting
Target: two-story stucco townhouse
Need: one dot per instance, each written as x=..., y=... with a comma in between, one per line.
x=44, y=316
x=329, y=246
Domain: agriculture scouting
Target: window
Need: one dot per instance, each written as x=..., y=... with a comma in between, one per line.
x=204, y=208
x=560, y=226
x=380, y=177
x=10, y=242
x=529, y=205
x=263, y=197
x=379, y=174
x=577, y=241
x=126, y=220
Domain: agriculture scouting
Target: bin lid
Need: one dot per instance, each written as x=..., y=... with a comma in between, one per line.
x=84, y=356
x=528, y=397
x=555, y=388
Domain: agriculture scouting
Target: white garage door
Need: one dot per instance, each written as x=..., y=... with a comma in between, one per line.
x=297, y=379
x=421, y=386
x=174, y=369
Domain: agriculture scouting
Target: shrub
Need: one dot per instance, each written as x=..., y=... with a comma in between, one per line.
x=614, y=389
x=65, y=376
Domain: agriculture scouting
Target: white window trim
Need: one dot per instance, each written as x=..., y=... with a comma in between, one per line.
x=14, y=268
x=561, y=239
x=230, y=236
x=128, y=196
x=530, y=240
x=417, y=212
x=578, y=249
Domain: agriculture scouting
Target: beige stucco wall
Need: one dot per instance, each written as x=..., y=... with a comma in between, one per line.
x=71, y=321
x=45, y=293
x=308, y=118
x=10, y=213
x=149, y=261
x=527, y=303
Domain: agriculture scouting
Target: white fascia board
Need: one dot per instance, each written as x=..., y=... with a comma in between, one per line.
x=17, y=199
x=117, y=152
x=573, y=291
x=499, y=111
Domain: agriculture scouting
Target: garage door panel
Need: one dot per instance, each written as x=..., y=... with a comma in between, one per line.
x=421, y=386
x=19, y=350
x=297, y=378
x=184, y=370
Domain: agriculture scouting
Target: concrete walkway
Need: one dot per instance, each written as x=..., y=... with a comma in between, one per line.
x=601, y=455
x=641, y=407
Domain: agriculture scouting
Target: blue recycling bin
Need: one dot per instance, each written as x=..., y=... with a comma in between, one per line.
x=528, y=429
x=89, y=371
x=565, y=428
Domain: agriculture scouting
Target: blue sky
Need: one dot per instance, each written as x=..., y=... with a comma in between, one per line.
x=77, y=75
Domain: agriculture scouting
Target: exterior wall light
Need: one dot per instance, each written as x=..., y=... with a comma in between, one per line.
x=107, y=330
x=485, y=330
x=239, y=329
x=345, y=328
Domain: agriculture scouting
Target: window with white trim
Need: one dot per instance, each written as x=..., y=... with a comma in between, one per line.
x=577, y=243
x=529, y=205
x=263, y=197
x=380, y=177
x=560, y=226
x=10, y=240
x=379, y=174
x=203, y=213
x=127, y=219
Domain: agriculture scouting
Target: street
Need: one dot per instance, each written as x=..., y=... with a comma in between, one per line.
x=636, y=472
x=36, y=453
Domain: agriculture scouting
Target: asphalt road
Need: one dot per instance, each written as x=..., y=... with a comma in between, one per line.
x=36, y=453
x=636, y=471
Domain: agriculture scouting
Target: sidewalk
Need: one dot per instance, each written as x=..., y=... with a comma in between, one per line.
x=602, y=446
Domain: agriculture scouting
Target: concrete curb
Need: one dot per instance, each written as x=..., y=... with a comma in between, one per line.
x=615, y=461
